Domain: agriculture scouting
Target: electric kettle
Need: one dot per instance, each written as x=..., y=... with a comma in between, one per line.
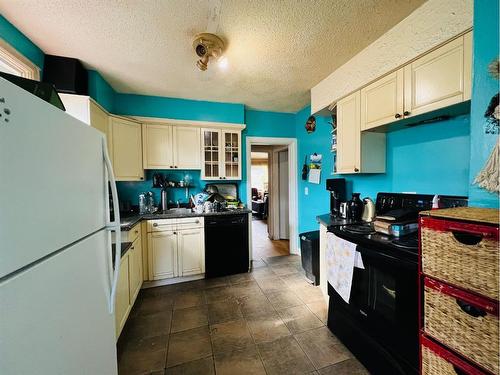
x=368, y=210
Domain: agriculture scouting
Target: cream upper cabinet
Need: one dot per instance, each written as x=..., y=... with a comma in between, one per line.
x=439, y=78
x=232, y=155
x=122, y=303
x=221, y=154
x=98, y=117
x=126, y=148
x=357, y=152
x=171, y=147
x=186, y=150
x=162, y=255
x=348, y=134
x=191, y=249
x=157, y=146
x=382, y=101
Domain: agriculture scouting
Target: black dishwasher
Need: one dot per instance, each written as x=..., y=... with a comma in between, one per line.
x=226, y=245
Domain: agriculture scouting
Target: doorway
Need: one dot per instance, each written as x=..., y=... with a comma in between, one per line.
x=271, y=187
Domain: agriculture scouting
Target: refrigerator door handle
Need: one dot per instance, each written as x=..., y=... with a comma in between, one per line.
x=113, y=225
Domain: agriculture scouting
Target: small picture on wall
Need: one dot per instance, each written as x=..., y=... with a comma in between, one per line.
x=315, y=168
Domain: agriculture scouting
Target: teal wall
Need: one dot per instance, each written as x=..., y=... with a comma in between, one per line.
x=486, y=45
x=130, y=190
x=20, y=42
x=263, y=124
x=181, y=109
x=101, y=91
x=432, y=158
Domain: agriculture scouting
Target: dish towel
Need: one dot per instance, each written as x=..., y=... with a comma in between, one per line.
x=341, y=258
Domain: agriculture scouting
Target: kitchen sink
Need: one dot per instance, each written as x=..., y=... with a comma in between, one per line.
x=177, y=211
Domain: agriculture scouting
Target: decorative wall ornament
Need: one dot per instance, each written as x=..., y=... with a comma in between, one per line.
x=492, y=115
x=494, y=68
x=311, y=124
x=488, y=177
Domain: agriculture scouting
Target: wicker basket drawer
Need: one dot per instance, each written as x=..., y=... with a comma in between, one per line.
x=463, y=322
x=437, y=360
x=462, y=254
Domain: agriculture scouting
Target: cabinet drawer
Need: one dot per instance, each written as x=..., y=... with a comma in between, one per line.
x=436, y=360
x=462, y=254
x=133, y=233
x=161, y=225
x=190, y=222
x=463, y=322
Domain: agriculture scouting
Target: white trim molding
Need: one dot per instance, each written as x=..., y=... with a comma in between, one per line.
x=293, y=219
x=17, y=62
x=202, y=124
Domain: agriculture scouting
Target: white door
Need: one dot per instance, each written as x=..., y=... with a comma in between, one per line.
x=51, y=173
x=187, y=153
x=55, y=316
x=191, y=249
x=163, y=254
x=283, y=194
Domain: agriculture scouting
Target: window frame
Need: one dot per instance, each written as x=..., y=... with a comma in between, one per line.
x=18, y=62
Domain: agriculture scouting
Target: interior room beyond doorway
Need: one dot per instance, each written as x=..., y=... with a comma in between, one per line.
x=269, y=200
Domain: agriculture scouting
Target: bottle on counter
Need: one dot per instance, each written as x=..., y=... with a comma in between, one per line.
x=356, y=205
x=142, y=204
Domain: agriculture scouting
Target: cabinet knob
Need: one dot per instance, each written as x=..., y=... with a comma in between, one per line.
x=171, y=166
x=132, y=248
x=136, y=231
x=356, y=170
x=197, y=222
x=155, y=224
x=406, y=113
x=175, y=166
x=397, y=115
x=175, y=232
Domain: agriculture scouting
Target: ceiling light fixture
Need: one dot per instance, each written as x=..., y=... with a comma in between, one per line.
x=206, y=46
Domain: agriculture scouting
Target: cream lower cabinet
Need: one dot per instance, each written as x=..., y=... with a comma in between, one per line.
x=135, y=268
x=357, y=152
x=176, y=248
x=126, y=149
x=439, y=78
x=162, y=254
x=122, y=304
x=171, y=147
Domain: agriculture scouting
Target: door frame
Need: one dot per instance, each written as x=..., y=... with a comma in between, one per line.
x=292, y=183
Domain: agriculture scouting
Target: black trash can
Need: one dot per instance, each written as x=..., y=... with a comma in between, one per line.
x=309, y=250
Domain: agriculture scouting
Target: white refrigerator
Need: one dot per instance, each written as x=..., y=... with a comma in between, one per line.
x=57, y=281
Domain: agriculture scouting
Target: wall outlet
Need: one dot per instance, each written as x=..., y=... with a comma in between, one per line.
x=306, y=191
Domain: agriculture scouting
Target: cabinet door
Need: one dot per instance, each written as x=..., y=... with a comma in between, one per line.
x=231, y=155
x=187, y=153
x=210, y=156
x=98, y=118
x=382, y=101
x=191, y=247
x=436, y=80
x=122, y=295
x=126, y=149
x=348, y=134
x=157, y=145
x=135, y=268
x=162, y=255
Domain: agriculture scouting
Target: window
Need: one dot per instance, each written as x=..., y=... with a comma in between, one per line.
x=13, y=62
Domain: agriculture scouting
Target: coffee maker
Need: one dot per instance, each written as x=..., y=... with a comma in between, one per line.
x=336, y=187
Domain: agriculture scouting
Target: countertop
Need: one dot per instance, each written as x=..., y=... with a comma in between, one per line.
x=129, y=221
x=329, y=220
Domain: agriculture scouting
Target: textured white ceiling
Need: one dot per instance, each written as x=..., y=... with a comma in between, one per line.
x=277, y=50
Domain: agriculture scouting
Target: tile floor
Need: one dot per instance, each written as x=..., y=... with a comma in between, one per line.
x=269, y=321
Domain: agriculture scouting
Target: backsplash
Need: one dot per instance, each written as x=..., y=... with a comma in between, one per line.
x=130, y=190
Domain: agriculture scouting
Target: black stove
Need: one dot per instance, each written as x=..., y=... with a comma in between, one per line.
x=380, y=322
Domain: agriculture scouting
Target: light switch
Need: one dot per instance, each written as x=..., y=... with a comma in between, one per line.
x=306, y=190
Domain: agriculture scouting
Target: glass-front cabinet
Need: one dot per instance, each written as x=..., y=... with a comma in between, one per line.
x=221, y=154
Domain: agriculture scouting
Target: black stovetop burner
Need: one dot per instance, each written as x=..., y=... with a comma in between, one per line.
x=362, y=229
x=409, y=241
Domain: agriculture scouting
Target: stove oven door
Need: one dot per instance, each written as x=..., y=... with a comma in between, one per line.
x=392, y=313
